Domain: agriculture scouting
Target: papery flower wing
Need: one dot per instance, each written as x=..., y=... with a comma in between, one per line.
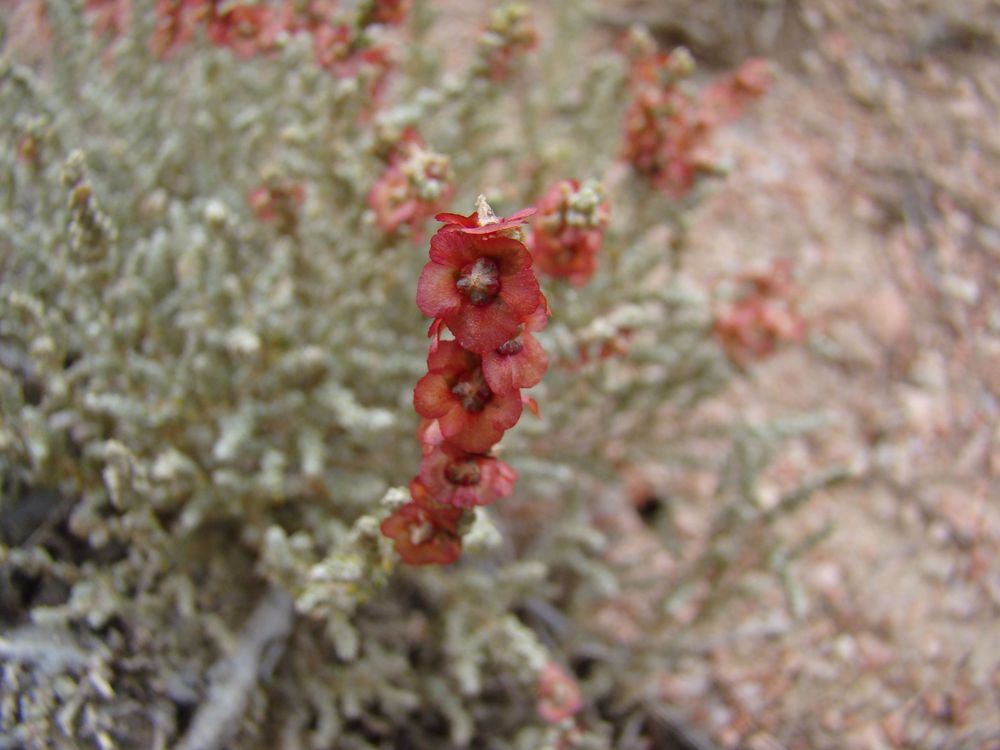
x=470, y=432
x=478, y=432
x=511, y=256
x=559, y=695
x=429, y=435
x=521, y=292
x=502, y=225
x=482, y=329
x=437, y=295
x=453, y=249
x=432, y=397
x=448, y=358
x=457, y=220
x=424, y=536
x=464, y=480
x=507, y=372
x=532, y=406
x=539, y=318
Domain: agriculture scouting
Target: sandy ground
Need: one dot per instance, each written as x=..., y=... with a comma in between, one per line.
x=875, y=165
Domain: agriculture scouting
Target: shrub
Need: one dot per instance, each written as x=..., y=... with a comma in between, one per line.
x=215, y=218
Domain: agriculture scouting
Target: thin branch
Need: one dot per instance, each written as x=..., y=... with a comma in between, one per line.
x=236, y=675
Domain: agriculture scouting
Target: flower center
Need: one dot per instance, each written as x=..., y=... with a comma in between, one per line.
x=421, y=533
x=508, y=348
x=246, y=28
x=473, y=392
x=463, y=473
x=479, y=281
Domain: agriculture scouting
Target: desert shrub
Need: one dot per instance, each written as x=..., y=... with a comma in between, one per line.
x=214, y=220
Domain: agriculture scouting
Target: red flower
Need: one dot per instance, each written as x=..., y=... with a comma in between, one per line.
x=761, y=318
x=332, y=45
x=571, y=254
x=508, y=36
x=454, y=477
x=390, y=12
x=470, y=415
x=558, y=694
x=109, y=17
x=471, y=224
x=726, y=100
x=314, y=13
x=342, y=52
x=668, y=132
x=277, y=202
x=413, y=187
x=247, y=30
x=666, y=138
x=482, y=288
x=480, y=284
x=569, y=231
x=176, y=21
x=752, y=329
x=520, y=362
x=425, y=535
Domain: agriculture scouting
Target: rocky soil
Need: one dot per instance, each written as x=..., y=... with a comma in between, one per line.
x=875, y=165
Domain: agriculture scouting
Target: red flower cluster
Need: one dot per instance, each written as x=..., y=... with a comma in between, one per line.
x=558, y=694
x=424, y=533
x=509, y=34
x=762, y=316
x=389, y=12
x=479, y=284
x=726, y=100
x=414, y=186
x=342, y=51
x=250, y=29
x=569, y=230
x=278, y=202
x=176, y=22
x=668, y=130
x=109, y=17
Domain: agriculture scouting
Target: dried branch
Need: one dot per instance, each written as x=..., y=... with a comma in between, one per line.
x=235, y=676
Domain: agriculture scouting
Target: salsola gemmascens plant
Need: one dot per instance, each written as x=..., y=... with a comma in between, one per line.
x=214, y=292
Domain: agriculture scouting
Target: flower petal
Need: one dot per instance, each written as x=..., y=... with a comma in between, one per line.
x=477, y=433
x=432, y=397
x=448, y=358
x=502, y=225
x=442, y=546
x=504, y=410
x=520, y=292
x=437, y=295
x=510, y=255
x=508, y=372
x=453, y=249
x=459, y=219
x=483, y=329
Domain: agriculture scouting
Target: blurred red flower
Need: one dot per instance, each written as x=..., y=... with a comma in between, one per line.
x=565, y=241
x=558, y=694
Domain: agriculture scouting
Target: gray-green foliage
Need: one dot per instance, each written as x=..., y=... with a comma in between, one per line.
x=200, y=407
